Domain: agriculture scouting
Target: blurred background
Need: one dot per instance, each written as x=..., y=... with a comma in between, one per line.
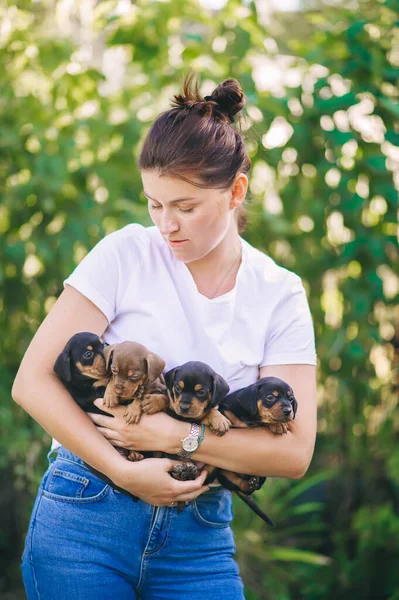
x=81, y=81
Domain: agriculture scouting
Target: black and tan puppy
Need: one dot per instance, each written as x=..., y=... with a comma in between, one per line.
x=269, y=402
x=82, y=368
x=195, y=391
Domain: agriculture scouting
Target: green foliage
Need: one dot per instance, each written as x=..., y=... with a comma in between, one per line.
x=323, y=203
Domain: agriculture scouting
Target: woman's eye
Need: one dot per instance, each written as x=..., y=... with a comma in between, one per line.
x=153, y=207
x=88, y=354
x=187, y=210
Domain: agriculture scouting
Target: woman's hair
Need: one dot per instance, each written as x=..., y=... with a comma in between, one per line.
x=196, y=136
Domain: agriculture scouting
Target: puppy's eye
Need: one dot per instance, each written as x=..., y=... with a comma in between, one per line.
x=271, y=398
x=202, y=394
x=114, y=370
x=88, y=354
x=135, y=377
x=177, y=389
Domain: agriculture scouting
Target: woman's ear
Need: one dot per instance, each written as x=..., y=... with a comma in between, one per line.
x=238, y=190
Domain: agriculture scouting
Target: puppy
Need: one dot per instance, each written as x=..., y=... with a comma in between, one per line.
x=194, y=391
x=268, y=402
x=136, y=380
x=82, y=368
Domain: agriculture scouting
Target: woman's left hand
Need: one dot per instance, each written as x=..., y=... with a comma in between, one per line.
x=154, y=432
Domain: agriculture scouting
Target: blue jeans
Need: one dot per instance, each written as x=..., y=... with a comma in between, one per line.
x=88, y=541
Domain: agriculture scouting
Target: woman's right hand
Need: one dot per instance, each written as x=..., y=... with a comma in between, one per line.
x=150, y=480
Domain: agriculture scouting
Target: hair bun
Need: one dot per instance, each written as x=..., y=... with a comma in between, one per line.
x=229, y=97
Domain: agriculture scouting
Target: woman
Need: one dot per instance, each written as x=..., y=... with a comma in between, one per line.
x=189, y=288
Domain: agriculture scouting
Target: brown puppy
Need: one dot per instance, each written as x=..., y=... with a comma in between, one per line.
x=136, y=380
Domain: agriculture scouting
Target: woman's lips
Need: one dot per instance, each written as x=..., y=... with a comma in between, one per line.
x=177, y=243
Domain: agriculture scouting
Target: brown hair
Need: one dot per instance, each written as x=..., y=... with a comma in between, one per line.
x=197, y=136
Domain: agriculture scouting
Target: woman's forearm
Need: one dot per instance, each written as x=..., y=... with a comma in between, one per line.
x=50, y=404
x=252, y=451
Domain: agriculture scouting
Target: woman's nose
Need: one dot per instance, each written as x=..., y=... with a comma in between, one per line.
x=167, y=224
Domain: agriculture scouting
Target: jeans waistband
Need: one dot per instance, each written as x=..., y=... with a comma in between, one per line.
x=62, y=452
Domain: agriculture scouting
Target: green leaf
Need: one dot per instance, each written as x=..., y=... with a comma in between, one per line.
x=392, y=107
x=296, y=555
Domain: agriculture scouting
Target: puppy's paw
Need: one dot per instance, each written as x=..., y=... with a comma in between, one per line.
x=123, y=452
x=278, y=428
x=185, y=472
x=132, y=413
x=134, y=456
x=110, y=400
x=153, y=403
x=254, y=484
x=219, y=424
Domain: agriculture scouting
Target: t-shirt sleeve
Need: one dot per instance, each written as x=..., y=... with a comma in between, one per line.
x=97, y=275
x=290, y=336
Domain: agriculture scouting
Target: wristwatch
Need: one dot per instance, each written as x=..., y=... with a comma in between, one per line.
x=191, y=443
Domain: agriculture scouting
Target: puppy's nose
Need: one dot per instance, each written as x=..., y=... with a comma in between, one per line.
x=287, y=410
x=119, y=389
x=184, y=408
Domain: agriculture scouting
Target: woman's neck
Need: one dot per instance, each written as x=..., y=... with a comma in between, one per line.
x=218, y=268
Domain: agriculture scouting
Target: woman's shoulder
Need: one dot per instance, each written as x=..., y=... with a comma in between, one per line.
x=133, y=237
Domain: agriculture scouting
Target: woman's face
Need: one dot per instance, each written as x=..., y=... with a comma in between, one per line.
x=191, y=220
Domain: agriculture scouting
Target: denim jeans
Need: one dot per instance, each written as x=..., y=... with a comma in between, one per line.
x=88, y=541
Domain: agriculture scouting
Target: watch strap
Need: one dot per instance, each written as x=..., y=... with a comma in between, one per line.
x=197, y=432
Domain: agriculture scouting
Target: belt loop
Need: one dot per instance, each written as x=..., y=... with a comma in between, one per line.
x=52, y=455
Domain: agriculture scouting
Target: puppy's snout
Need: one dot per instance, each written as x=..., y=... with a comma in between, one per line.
x=184, y=408
x=287, y=410
x=119, y=389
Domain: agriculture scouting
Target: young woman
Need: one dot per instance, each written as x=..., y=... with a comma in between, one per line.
x=188, y=288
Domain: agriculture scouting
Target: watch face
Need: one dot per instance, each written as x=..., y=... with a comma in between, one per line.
x=190, y=444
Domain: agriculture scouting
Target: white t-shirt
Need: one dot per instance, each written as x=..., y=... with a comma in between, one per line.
x=149, y=297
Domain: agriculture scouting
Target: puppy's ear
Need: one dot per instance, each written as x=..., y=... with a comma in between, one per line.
x=155, y=366
x=248, y=400
x=108, y=354
x=220, y=390
x=170, y=378
x=62, y=367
